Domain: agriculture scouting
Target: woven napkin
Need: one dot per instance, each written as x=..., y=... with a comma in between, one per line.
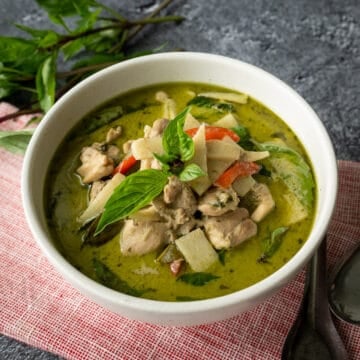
x=39, y=308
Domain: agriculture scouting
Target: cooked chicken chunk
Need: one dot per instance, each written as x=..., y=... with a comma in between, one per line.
x=177, y=205
x=113, y=134
x=95, y=165
x=264, y=200
x=142, y=237
x=231, y=229
x=157, y=128
x=218, y=201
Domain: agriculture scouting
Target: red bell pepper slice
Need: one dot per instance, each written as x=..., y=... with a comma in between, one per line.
x=238, y=169
x=125, y=165
x=215, y=133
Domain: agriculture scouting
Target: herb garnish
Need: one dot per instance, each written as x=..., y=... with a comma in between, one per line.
x=135, y=192
x=271, y=244
x=210, y=103
x=89, y=33
x=179, y=148
x=108, y=278
x=197, y=279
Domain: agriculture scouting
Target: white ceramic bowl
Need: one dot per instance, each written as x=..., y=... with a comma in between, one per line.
x=172, y=67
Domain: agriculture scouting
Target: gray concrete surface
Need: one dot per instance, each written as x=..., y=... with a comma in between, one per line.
x=313, y=45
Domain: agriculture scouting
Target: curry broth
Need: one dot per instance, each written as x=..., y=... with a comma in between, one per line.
x=66, y=198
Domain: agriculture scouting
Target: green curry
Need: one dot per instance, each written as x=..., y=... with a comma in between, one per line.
x=279, y=235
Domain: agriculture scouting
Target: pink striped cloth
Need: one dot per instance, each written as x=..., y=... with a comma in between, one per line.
x=39, y=308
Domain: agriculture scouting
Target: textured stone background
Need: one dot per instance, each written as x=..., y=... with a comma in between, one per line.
x=313, y=45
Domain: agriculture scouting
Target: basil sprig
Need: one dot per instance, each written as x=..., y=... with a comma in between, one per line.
x=176, y=143
x=179, y=148
x=197, y=279
x=108, y=278
x=271, y=244
x=135, y=192
x=39, y=67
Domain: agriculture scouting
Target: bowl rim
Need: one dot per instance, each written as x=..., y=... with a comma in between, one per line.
x=166, y=307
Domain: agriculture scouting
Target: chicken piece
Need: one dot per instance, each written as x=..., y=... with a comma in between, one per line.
x=95, y=164
x=179, y=195
x=113, y=152
x=157, y=128
x=264, y=200
x=169, y=104
x=174, y=216
x=127, y=146
x=113, y=134
x=172, y=189
x=177, y=205
x=230, y=230
x=142, y=237
x=218, y=201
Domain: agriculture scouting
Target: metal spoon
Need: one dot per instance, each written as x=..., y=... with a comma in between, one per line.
x=313, y=335
x=344, y=290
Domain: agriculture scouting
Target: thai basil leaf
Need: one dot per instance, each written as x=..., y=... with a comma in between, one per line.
x=15, y=141
x=46, y=82
x=65, y=7
x=135, y=192
x=76, y=46
x=205, y=102
x=113, y=281
x=12, y=49
x=102, y=118
x=191, y=172
x=245, y=139
x=6, y=86
x=293, y=170
x=272, y=244
x=186, y=143
x=197, y=279
x=44, y=38
x=72, y=48
x=176, y=142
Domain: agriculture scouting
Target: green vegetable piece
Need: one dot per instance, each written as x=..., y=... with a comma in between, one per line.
x=197, y=279
x=191, y=172
x=113, y=281
x=206, y=102
x=15, y=141
x=272, y=244
x=293, y=170
x=89, y=237
x=66, y=7
x=44, y=38
x=46, y=82
x=12, y=49
x=135, y=192
x=169, y=254
x=176, y=143
x=245, y=139
x=102, y=118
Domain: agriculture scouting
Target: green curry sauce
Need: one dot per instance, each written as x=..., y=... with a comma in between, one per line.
x=66, y=198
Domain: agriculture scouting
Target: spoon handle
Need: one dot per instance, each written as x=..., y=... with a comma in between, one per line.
x=318, y=311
